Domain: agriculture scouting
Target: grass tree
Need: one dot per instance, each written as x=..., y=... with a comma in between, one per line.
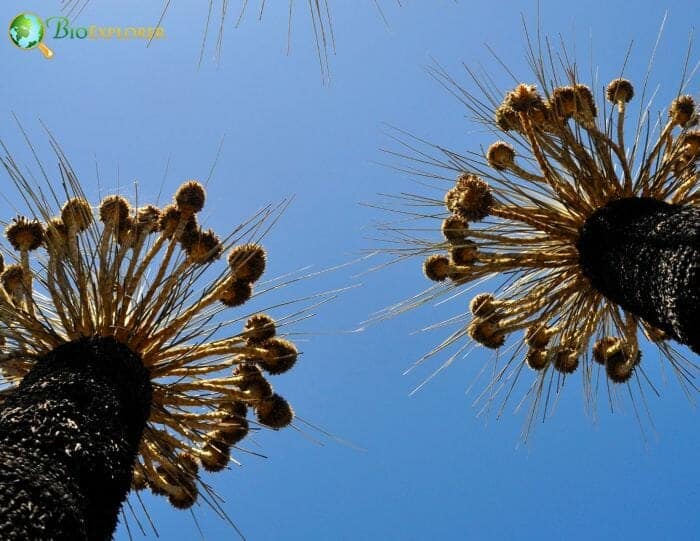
x=119, y=371
x=590, y=219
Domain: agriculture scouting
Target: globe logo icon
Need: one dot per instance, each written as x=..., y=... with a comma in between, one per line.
x=27, y=32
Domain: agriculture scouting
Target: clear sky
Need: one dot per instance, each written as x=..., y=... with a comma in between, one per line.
x=428, y=467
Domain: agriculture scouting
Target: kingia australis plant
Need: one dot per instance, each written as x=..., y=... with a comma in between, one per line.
x=118, y=373
x=590, y=220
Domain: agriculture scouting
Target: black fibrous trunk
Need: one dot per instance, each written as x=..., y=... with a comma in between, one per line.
x=69, y=436
x=644, y=255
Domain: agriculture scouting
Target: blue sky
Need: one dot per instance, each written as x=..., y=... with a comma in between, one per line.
x=429, y=468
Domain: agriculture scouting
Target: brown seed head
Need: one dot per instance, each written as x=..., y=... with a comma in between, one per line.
x=24, y=234
x=148, y=219
x=563, y=102
x=461, y=275
x=247, y=262
x=233, y=431
x=282, y=356
x=236, y=409
x=56, y=234
x=169, y=220
x=507, y=118
x=500, y=155
x=619, y=91
x=215, y=454
x=274, y=412
x=537, y=336
x=537, y=359
x=76, y=214
x=114, y=209
x=565, y=360
x=205, y=249
x=125, y=232
x=190, y=233
x=187, y=463
x=12, y=279
x=486, y=332
x=483, y=305
x=157, y=489
x=436, y=267
x=2, y=263
x=259, y=328
x=246, y=370
x=683, y=166
x=691, y=145
x=524, y=99
x=620, y=368
x=237, y=293
x=184, y=496
x=455, y=229
x=586, y=109
x=682, y=111
x=190, y=197
x=470, y=199
x=605, y=348
x=253, y=382
x=464, y=254
x=541, y=116
x=182, y=489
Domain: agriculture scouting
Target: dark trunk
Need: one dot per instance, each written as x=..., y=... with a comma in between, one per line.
x=69, y=435
x=644, y=255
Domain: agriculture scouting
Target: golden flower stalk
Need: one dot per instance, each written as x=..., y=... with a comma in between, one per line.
x=519, y=211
